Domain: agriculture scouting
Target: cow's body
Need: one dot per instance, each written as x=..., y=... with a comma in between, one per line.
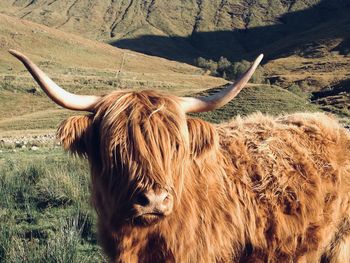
x=294, y=176
x=254, y=189
x=170, y=188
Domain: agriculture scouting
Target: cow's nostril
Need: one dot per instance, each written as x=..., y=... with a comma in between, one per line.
x=151, y=202
x=142, y=199
x=166, y=200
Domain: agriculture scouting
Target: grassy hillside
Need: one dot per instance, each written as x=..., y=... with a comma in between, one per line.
x=73, y=58
x=268, y=99
x=79, y=65
x=86, y=66
x=184, y=29
x=305, y=42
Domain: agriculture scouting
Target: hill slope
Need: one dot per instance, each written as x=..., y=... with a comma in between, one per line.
x=211, y=28
x=311, y=36
x=86, y=66
x=79, y=65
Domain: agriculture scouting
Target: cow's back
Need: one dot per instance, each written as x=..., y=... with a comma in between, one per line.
x=297, y=171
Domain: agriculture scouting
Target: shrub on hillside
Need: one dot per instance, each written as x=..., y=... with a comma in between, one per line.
x=224, y=67
x=294, y=88
x=207, y=64
x=228, y=70
x=238, y=68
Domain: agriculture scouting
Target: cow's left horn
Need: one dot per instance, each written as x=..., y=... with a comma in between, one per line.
x=57, y=94
x=219, y=99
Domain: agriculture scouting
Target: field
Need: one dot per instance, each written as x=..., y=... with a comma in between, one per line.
x=44, y=208
x=80, y=65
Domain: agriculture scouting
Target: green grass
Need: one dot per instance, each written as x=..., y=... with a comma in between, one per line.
x=264, y=98
x=44, y=208
x=78, y=65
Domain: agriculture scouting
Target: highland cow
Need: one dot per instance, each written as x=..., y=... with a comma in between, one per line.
x=168, y=187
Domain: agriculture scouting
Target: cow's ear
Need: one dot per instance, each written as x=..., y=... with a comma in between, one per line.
x=203, y=137
x=73, y=134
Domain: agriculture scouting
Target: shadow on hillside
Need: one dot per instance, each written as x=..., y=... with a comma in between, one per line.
x=342, y=87
x=294, y=29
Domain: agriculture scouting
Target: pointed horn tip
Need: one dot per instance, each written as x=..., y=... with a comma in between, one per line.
x=15, y=53
x=259, y=58
x=12, y=51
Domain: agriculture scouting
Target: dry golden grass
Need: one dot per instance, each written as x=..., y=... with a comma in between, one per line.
x=61, y=53
x=79, y=65
x=316, y=73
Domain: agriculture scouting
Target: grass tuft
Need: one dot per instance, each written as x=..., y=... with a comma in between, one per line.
x=44, y=209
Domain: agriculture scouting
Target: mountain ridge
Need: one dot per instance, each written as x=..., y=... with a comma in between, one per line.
x=304, y=30
x=184, y=22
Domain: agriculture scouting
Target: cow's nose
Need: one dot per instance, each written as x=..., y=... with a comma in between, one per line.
x=155, y=201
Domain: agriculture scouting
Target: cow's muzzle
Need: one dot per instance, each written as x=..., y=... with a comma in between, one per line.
x=151, y=206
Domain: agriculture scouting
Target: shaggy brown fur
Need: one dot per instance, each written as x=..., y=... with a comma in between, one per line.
x=257, y=189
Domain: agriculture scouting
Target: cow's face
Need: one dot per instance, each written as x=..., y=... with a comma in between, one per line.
x=138, y=144
x=138, y=147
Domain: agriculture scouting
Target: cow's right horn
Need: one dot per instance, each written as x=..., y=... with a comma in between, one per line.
x=217, y=100
x=57, y=94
